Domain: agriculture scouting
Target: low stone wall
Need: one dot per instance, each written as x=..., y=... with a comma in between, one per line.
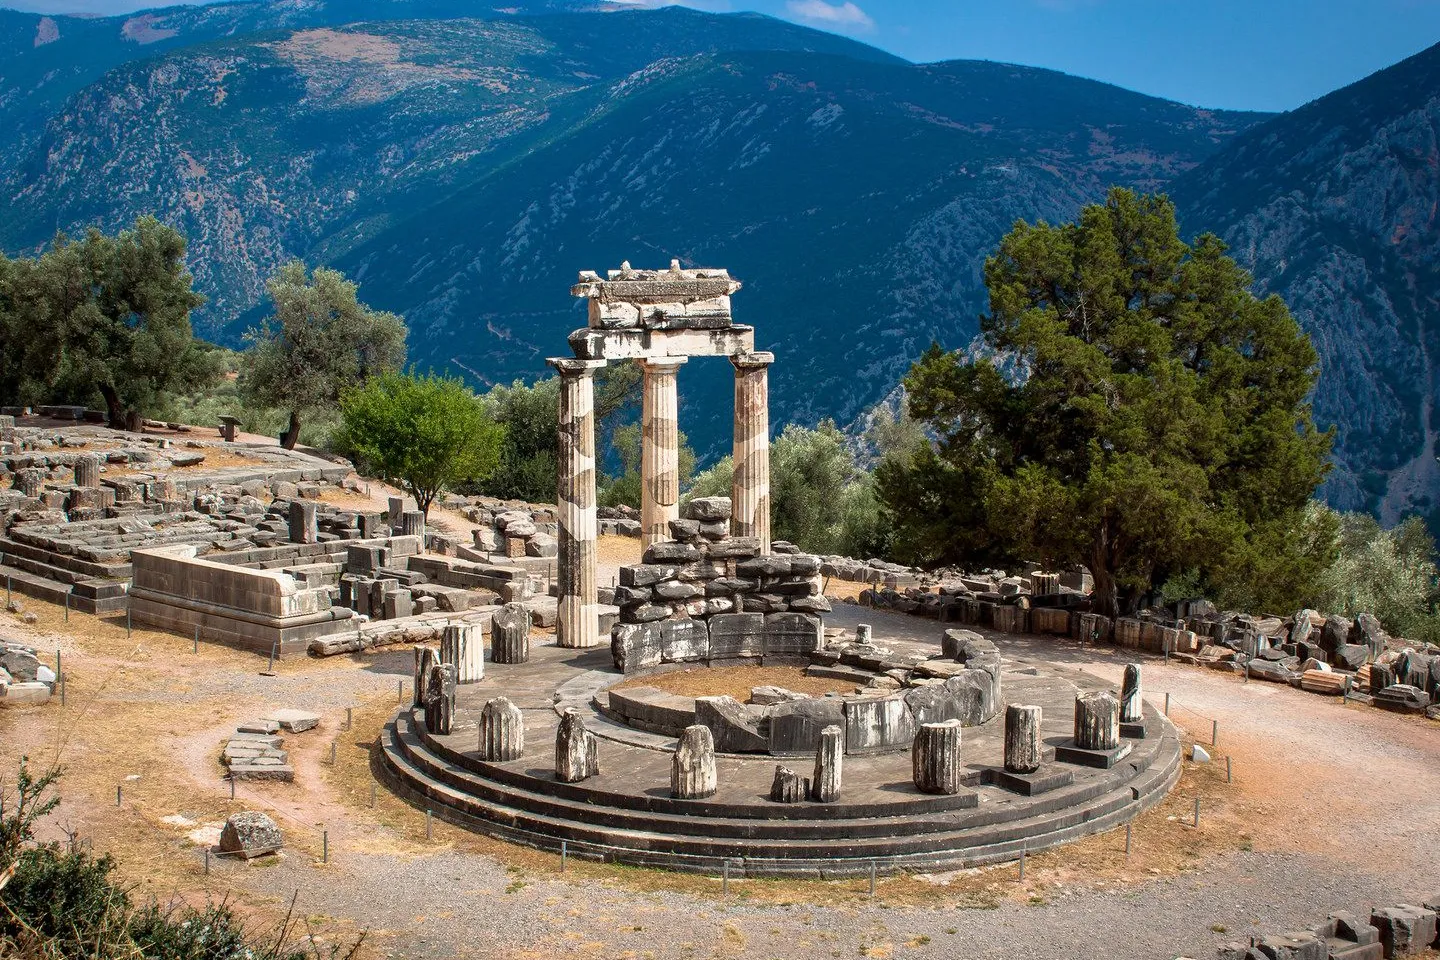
x=895, y=695
x=257, y=610
x=1402, y=930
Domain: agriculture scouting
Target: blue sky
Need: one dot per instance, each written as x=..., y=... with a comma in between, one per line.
x=1243, y=54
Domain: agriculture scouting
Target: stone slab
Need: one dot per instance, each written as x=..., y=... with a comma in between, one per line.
x=1044, y=780
x=1068, y=752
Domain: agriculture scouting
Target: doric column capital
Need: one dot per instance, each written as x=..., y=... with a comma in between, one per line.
x=572, y=367
x=663, y=364
x=752, y=361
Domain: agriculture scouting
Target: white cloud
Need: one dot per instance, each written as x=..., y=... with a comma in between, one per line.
x=840, y=16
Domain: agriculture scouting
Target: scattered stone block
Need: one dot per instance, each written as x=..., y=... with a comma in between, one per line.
x=259, y=726
x=294, y=721
x=1404, y=929
x=692, y=768
x=734, y=727
x=250, y=834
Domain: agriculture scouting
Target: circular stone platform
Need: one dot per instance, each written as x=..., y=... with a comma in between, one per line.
x=626, y=813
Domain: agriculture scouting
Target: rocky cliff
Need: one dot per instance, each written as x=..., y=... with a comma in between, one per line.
x=1334, y=207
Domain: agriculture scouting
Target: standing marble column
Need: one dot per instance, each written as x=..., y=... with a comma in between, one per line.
x=1097, y=721
x=750, y=489
x=502, y=731
x=1130, y=708
x=578, y=620
x=935, y=758
x=659, y=449
x=829, y=765
x=692, y=767
x=1022, y=738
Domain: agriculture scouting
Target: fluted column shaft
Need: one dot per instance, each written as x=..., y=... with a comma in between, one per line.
x=578, y=621
x=659, y=449
x=750, y=489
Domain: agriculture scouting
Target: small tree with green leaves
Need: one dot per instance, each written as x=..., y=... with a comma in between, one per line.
x=320, y=342
x=426, y=433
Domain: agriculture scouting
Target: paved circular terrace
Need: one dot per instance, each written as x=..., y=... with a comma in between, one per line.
x=626, y=813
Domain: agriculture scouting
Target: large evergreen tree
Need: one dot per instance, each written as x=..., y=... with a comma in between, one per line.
x=1136, y=410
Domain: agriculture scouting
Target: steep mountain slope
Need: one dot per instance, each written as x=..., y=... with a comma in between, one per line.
x=1334, y=207
x=261, y=147
x=44, y=60
x=856, y=201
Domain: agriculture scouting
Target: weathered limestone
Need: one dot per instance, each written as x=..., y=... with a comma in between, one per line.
x=829, y=760
x=258, y=610
x=577, y=752
x=510, y=634
x=692, y=769
x=659, y=449
x=862, y=633
x=303, y=523
x=935, y=758
x=1097, y=721
x=1022, y=738
x=750, y=488
x=502, y=731
x=412, y=524
x=578, y=619
x=87, y=471
x=425, y=658
x=788, y=786
x=1130, y=707
x=30, y=483
x=462, y=646
x=440, y=699
x=250, y=834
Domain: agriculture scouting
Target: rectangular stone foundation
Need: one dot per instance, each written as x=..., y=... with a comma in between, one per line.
x=1068, y=752
x=256, y=610
x=1044, y=780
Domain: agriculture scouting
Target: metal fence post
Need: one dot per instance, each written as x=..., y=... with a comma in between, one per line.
x=1197, y=812
x=1129, y=835
x=1214, y=732
x=1167, y=704
x=1022, y=863
x=564, y=853
x=325, y=846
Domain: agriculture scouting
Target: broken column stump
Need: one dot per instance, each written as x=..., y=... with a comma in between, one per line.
x=935, y=757
x=1097, y=722
x=440, y=699
x=461, y=646
x=1130, y=710
x=1022, y=738
x=510, y=634
x=87, y=471
x=1097, y=733
x=829, y=759
x=412, y=524
x=788, y=786
x=425, y=658
x=502, y=731
x=577, y=752
x=692, y=769
x=303, y=524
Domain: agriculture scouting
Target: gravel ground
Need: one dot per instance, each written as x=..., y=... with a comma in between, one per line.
x=1341, y=805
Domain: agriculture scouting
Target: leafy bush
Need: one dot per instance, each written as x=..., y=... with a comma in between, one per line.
x=59, y=903
x=1390, y=573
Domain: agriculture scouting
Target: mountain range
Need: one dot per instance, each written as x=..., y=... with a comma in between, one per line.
x=462, y=163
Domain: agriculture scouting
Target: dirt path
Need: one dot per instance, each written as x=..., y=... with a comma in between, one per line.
x=1330, y=807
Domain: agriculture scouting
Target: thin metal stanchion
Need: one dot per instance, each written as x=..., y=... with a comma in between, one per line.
x=1167, y=704
x=350, y=717
x=1228, y=771
x=7, y=590
x=127, y=623
x=872, y=878
x=1022, y=863
x=400, y=692
x=1214, y=732
x=67, y=606
x=1129, y=836
x=117, y=794
x=429, y=824
x=270, y=668
x=332, y=753
x=195, y=644
x=207, y=861
x=725, y=878
x=232, y=788
x=1197, y=812
x=564, y=852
